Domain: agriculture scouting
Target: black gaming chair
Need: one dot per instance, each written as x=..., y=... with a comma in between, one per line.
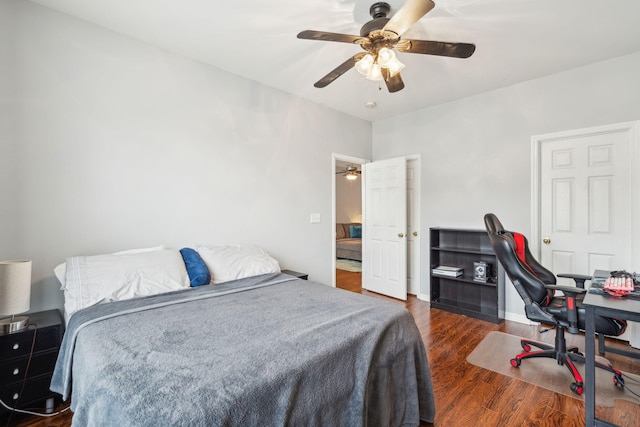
x=536, y=286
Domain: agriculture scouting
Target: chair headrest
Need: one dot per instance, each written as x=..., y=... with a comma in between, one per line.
x=493, y=224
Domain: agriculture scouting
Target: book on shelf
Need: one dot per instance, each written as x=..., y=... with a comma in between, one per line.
x=446, y=270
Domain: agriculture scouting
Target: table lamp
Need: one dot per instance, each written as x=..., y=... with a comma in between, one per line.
x=15, y=295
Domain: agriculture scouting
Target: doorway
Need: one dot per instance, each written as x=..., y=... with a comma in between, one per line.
x=347, y=222
x=585, y=201
x=353, y=280
x=585, y=198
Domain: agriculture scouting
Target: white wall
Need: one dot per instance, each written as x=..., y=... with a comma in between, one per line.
x=476, y=152
x=348, y=200
x=107, y=143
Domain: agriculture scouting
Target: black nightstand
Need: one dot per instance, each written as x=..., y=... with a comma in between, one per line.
x=14, y=357
x=303, y=276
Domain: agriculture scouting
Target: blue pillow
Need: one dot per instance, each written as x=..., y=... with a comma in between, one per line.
x=196, y=268
x=355, y=231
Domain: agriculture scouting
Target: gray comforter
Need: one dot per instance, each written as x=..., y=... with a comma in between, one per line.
x=268, y=350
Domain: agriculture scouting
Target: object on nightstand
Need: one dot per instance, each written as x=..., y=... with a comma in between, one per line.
x=15, y=295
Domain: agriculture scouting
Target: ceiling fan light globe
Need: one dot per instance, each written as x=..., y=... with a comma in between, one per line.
x=375, y=73
x=394, y=67
x=386, y=56
x=364, y=65
x=351, y=176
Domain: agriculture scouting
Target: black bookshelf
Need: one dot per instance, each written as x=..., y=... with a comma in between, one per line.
x=464, y=294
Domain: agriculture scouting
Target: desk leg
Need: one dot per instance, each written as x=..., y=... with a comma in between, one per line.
x=590, y=366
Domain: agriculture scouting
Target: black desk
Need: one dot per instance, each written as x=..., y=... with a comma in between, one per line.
x=620, y=308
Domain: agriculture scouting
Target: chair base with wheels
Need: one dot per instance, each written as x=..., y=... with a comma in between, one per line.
x=564, y=356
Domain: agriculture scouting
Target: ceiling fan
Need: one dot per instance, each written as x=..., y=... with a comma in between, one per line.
x=379, y=37
x=350, y=172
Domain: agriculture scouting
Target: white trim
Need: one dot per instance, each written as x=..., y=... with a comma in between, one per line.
x=344, y=158
x=423, y=297
x=634, y=185
x=520, y=318
x=633, y=129
x=417, y=203
x=536, y=142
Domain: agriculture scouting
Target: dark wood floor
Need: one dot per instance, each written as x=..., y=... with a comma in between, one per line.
x=465, y=394
x=349, y=280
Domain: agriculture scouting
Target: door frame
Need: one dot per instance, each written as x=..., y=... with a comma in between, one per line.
x=343, y=158
x=633, y=129
x=417, y=221
x=418, y=202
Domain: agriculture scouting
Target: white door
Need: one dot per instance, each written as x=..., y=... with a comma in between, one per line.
x=384, y=268
x=413, y=226
x=585, y=201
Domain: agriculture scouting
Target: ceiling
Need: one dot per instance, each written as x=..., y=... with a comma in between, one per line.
x=342, y=165
x=516, y=40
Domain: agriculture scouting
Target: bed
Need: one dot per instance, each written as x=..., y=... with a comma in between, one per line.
x=267, y=349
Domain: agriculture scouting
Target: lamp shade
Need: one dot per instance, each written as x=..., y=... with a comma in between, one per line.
x=364, y=64
x=15, y=287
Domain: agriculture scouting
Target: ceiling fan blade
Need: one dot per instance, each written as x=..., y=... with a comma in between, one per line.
x=394, y=83
x=328, y=37
x=408, y=15
x=428, y=47
x=339, y=70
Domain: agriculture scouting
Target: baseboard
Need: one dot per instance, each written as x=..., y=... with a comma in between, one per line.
x=514, y=317
x=520, y=318
x=423, y=297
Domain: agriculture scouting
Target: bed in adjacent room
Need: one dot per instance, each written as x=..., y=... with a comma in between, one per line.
x=266, y=349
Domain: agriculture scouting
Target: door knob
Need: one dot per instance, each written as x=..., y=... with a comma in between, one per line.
x=401, y=235
x=415, y=234
x=546, y=240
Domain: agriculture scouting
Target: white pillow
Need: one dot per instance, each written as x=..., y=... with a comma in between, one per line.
x=61, y=269
x=103, y=278
x=232, y=262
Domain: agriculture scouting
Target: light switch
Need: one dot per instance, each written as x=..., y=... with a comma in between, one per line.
x=315, y=218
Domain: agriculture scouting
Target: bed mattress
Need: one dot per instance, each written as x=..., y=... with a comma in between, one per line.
x=265, y=350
